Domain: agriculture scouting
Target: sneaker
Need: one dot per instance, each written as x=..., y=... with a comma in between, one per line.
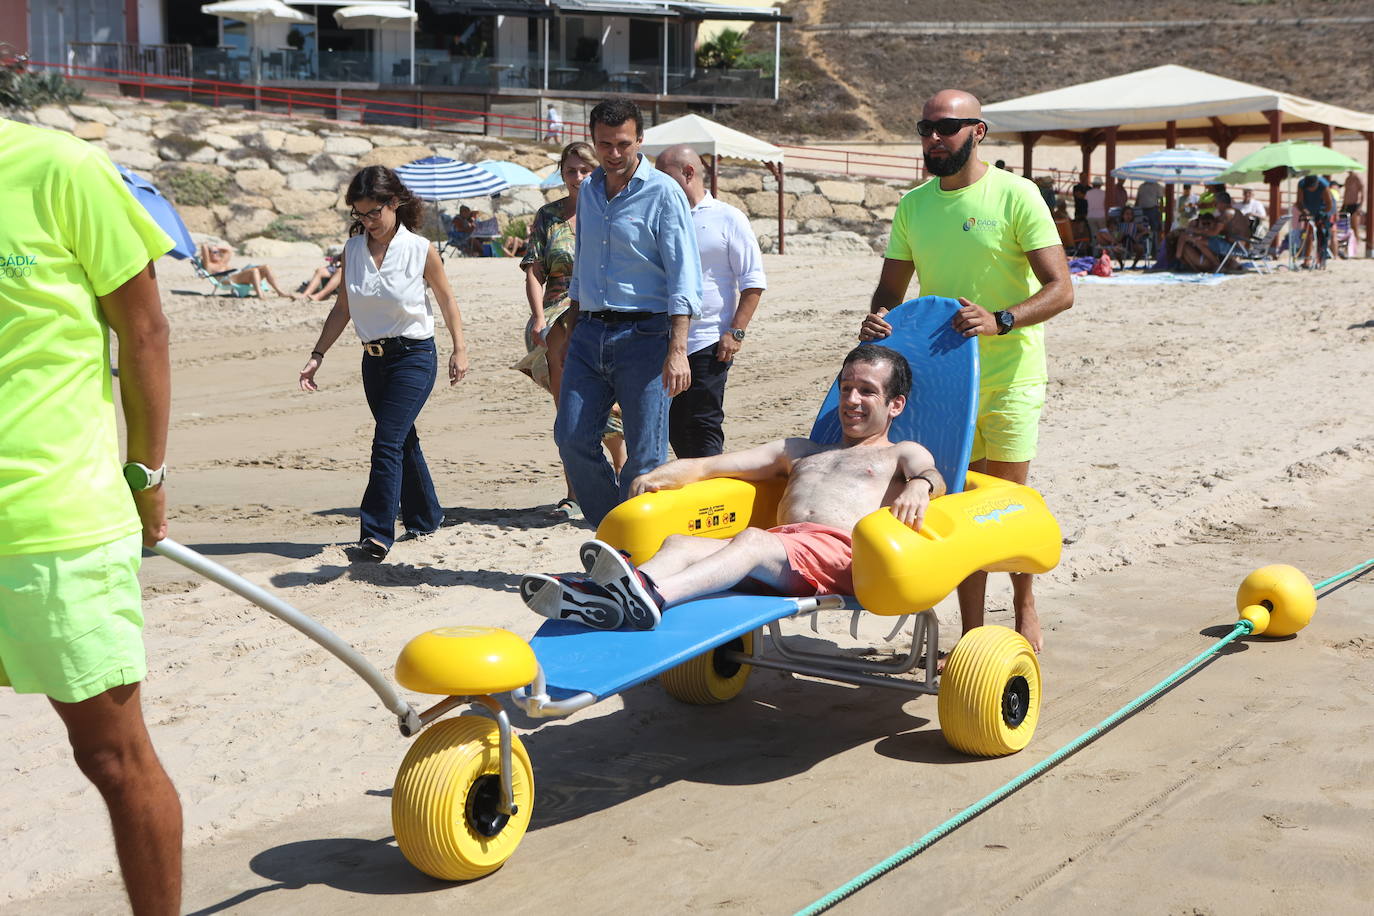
x=571, y=598
x=608, y=568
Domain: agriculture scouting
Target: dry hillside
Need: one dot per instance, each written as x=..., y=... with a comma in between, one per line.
x=870, y=80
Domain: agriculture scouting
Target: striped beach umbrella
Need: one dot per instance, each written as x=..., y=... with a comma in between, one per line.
x=441, y=178
x=1174, y=166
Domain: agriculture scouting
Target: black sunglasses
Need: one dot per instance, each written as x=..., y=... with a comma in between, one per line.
x=947, y=127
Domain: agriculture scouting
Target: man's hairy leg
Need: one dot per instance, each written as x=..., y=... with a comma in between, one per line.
x=111, y=745
x=751, y=554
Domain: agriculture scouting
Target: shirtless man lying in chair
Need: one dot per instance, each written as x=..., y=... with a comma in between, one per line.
x=829, y=488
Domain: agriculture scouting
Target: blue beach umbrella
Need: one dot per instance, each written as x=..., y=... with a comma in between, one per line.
x=1174, y=166
x=514, y=175
x=441, y=178
x=552, y=180
x=162, y=211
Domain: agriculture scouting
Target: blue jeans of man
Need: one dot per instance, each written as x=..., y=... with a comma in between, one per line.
x=612, y=362
x=397, y=385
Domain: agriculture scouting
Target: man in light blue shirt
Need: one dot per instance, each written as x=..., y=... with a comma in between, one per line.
x=636, y=287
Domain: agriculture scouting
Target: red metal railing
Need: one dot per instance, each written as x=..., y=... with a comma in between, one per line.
x=367, y=110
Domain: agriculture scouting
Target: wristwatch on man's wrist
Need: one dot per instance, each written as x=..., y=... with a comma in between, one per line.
x=1005, y=321
x=140, y=477
x=737, y=333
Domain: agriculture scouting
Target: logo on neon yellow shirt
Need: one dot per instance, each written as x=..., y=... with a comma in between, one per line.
x=974, y=224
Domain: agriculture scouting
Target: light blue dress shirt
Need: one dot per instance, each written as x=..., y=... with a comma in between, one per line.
x=637, y=251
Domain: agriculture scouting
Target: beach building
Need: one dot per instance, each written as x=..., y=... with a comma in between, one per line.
x=429, y=50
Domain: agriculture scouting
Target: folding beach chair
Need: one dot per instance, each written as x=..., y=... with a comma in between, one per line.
x=220, y=281
x=1259, y=252
x=1344, y=237
x=488, y=232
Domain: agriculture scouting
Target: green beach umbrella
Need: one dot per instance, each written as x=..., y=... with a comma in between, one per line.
x=1296, y=156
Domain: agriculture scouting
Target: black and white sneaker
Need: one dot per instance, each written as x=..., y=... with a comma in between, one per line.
x=571, y=598
x=608, y=568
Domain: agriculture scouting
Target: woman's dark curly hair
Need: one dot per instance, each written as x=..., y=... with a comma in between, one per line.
x=379, y=183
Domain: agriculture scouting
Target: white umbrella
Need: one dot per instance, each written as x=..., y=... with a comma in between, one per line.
x=1174, y=166
x=374, y=16
x=256, y=11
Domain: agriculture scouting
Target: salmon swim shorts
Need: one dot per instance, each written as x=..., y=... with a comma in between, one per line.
x=821, y=555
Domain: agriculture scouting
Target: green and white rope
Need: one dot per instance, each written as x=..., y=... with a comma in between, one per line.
x=1242, y=628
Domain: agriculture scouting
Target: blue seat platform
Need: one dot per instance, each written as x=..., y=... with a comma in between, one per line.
x=939, y=414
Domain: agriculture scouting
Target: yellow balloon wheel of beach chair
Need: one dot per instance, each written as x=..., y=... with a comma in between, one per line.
x=709, y=678
x=989, y=699
x=444, y=806
x=1283, y=591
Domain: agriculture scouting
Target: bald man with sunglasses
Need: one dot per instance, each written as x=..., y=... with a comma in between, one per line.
x=985, y=237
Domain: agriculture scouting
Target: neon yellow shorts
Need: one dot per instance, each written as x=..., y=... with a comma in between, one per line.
x=71, y=621
x=1008, y=424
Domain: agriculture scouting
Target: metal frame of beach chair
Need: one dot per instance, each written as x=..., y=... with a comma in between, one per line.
x=220, y=281
x=1260, y=252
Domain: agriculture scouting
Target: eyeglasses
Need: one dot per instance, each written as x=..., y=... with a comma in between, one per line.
x=947, y=127
x=370, y=215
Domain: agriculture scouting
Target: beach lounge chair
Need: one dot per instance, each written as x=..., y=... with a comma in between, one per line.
x=704, y=650
x=1258, y=252
x=488, y=232
x=1344, y=237
x=220, y=281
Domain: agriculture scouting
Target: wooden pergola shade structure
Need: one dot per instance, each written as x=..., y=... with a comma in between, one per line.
x=1169, y=104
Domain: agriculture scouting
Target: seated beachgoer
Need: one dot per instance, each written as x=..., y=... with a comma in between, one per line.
x=514, y=245
x=324, y=281
x=829, y=488
x=1208, y=239
x=255, y=279
x=460, y=230
x=1128, y=237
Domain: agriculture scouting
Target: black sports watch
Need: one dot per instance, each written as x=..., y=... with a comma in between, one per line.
x=737, y=333
x=140, y=477
x=1005, y=321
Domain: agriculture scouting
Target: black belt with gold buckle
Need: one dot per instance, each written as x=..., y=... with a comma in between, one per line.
x=387, y=346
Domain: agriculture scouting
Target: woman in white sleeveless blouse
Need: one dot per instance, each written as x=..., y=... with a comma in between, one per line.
x=386, y=267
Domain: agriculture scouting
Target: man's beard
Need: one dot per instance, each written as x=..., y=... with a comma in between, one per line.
x=953, y=163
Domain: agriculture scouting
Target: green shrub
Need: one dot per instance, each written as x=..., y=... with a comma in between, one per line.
x=182, y=145
x=285, y=229
x=516, y=229
x=194, y=188
x=30, y=90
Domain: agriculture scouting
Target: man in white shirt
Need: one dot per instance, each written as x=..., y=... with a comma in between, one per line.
x=1252, y=208
x=1097, y=206
x=553, y=129
x=733, y=282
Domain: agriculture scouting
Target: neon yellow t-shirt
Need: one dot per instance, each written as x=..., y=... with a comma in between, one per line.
x=972, y=243
x=70, y=231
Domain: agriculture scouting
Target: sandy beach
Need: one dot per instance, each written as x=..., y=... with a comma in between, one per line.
x=1192, y=434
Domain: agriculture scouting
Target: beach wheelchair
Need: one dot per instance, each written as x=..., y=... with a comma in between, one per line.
x=465, y=791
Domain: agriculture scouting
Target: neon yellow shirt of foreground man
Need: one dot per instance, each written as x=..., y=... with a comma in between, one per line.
x=972, y=243
x=60, y=481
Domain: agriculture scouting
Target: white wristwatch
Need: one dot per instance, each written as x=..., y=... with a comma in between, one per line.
x=141, y=477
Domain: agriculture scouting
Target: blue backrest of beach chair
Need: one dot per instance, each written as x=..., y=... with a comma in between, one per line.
x=944, y=393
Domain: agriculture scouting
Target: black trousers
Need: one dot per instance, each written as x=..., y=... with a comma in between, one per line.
x=696, y=416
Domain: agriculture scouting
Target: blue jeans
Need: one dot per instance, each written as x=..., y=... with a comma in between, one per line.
x=397, y=385
x=612, y=363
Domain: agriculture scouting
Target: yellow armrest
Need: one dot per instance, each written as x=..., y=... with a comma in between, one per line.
x=718, y=508
x=993, y=525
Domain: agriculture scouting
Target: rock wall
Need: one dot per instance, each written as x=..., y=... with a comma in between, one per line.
x=274, y=185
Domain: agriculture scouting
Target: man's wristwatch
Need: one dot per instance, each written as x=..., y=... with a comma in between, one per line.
x=140, y=477
x=1005, y=321
x=737, y=333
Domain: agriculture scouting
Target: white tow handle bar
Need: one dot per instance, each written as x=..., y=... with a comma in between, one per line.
x=408, y=719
